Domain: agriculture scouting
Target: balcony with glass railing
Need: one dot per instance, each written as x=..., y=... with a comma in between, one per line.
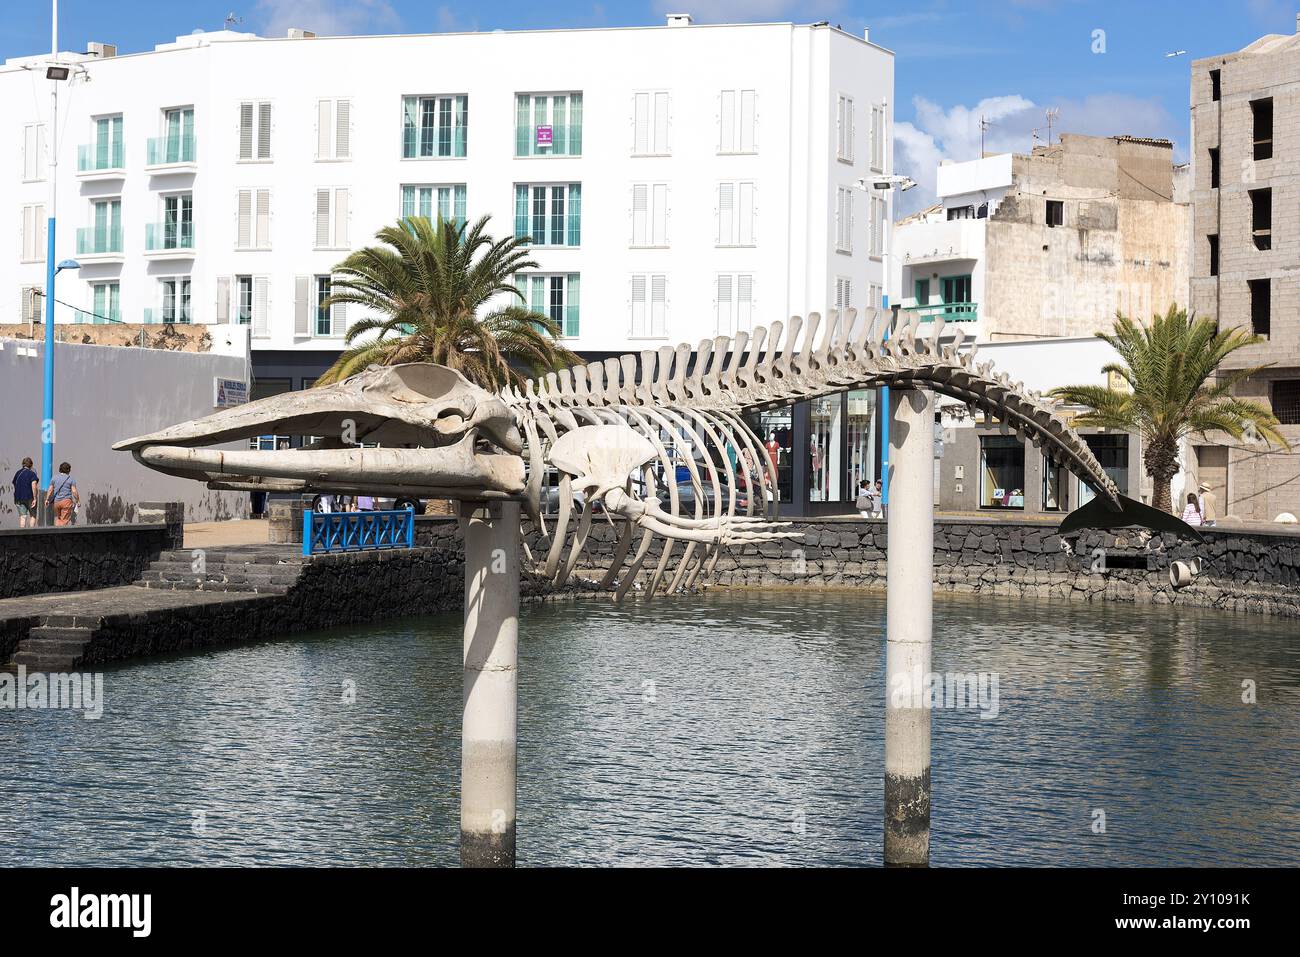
x=102, y=160
x=169, y=240
x=947, y=311
x=97, y=242
x=165, y=152
x=154, y=315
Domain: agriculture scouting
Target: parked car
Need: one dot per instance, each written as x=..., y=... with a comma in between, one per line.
x=686, y=499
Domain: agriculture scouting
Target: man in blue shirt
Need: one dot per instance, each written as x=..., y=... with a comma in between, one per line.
x=26, y=484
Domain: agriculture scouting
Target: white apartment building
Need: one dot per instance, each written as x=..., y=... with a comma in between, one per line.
x=677, y=181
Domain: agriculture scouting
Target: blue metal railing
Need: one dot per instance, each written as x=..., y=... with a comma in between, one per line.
x=326, y=532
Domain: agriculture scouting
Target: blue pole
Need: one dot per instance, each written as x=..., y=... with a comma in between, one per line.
x=47, y=412
x=884, y=416
x=306, y=531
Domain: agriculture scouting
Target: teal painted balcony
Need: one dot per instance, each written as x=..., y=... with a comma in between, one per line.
x=103, y=160
x=94, y=242
x=169, y=240
x=168, y=152
x=947, y=311
x=156, y=315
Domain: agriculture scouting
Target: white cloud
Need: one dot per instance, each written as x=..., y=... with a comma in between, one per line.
x=326, y=17
x=936, y=133
x=749, y=11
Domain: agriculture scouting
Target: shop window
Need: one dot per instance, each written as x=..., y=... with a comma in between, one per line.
x=775, y=429
x=824, y=465
x=1111, y=450
x=1002, y=472
x=1053, y=486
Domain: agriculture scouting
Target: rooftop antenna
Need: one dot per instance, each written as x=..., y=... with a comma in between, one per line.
x=1052, y=114
x=984, y=125
x=231, y=21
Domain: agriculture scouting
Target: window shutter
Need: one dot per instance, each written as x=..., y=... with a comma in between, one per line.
x=244, y=238
x=661, y=123
x=343, y=129
x=726, y=214
x=261, y=306
x=246, y=131
x=338, y=319
x=747, y=214
x=521, y=211
x=744, y=302
x=638, y=305
x=574, y=237
x=302, y=305
x=727, y=121
x=263, y=235
x=641, y=122
x=341, y=218
x=264, y=131
x=748, y=120
x=849, y=133
x=659, y=305
x=639, y=214
x=223, y=299
x=722, y=305
x=324, y=129
x=660, y=237
x=571, y=299
x=322, y=218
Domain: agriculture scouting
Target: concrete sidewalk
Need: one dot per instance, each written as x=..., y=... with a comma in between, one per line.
x=235, y=532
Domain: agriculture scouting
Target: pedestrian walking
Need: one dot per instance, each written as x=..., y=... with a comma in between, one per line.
x=26, y=488
x=65, y=496
x=1192, y=511
x=866, y=502
x=880, y=500
x=1209, y=504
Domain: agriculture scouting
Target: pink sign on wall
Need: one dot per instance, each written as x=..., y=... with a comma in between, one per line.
x=544, y=135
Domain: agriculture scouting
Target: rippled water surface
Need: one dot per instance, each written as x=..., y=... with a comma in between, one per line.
x=728, y=729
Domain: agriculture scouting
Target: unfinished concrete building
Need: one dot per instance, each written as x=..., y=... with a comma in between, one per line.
x=1050, y=245
x=1246, y=255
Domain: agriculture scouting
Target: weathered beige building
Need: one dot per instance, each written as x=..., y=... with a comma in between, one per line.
x=1246, y=255
x=1052, y=244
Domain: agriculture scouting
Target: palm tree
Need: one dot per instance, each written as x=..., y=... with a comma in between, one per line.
x=1174, y=390
x=429, y=284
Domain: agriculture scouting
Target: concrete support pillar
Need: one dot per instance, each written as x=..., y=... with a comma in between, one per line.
x=910, y=607
x=487, y=763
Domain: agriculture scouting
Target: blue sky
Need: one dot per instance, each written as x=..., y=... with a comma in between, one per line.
x=1006, y=59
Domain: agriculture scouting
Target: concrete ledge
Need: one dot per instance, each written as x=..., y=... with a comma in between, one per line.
x=79, y=557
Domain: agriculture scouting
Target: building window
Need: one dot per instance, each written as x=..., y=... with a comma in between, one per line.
x=176, y=145
x=1285, y=397
x=548, y=124
x=330, y=319
x=1213, y=240
x=650, y=124
x=333, y=129
x=962, y=212
x=956, y=291
x=106, y=303
x=878, y=214
x=253, y=219
x=107, y=149
x=105, y=236
x=1002, y=472
x=35, y=227
x=553, y=295
x=737, y=210
x=1261, y=307
x=1053, y=486
x=1215, y=87
x=878, y=137
x=549, y=214
x=1111, y=452
x=844, y=129
x=177, y=226
x=332, y=218
x=33, y=152
x=844, y=220
x=255, y=131
x=921, y=291
x=843, y=292
x=1262, y=116
x=1261, y=218
x=1055, y=212
x=738, y=121
x=650, y=214
x=649, y=306
x=734, y=303
x=244, y=300
x=434, y=126
x=252, y=302
x=435, y=202
x=175, y=299
x=1214, y=167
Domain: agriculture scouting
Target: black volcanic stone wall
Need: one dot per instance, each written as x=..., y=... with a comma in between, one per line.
x=77, y=558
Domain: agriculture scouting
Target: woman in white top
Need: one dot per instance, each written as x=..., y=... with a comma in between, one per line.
x=1192, y=513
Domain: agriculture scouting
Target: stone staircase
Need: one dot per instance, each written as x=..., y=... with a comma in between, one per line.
x=263, y=570
x=56, y=643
